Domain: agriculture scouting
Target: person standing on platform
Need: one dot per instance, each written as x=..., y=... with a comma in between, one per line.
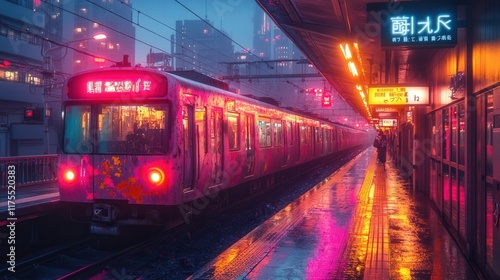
x=381, y=144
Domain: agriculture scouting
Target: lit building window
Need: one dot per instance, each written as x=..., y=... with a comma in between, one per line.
x=78, y=61
x=95, y=25
x=83, y=10
x=78, y=30
x=9, y=75
x=205, y=31
x=111, y=46
x=30, y=79
x=117, y=46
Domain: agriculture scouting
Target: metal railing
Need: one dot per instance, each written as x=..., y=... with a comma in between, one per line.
x=29, y=169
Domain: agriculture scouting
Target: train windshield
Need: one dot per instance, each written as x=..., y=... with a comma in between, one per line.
x=115, y=129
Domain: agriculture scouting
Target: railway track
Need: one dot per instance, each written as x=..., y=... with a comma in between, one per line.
x=85, y=258
x=91, y=257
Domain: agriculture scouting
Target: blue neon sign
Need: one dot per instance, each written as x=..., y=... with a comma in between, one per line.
x=415, y=24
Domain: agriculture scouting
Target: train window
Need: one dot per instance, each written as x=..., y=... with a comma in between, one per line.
x=77, y=132
x=454, y=134
x=233, y=131
x=434, y=135
x=250, y=133
x=305, y=134
x=326, y=135
x=131, y=129
x=289, y=132
x=446, y=133
x=278, y=133
x=264, y=132
x=302, y=134
x=489, y=134
x=461, y=134
x=201, y=128
x=317, y=135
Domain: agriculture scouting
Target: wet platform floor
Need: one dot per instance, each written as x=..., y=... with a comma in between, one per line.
x=362, y=222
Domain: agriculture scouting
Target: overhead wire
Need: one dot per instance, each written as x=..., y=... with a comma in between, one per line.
x=175, y=30
x=157, y=34
x=115, y=30
x=149, y=30
x=171, y=28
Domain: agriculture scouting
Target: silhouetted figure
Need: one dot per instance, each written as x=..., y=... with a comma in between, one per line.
x=381, y=144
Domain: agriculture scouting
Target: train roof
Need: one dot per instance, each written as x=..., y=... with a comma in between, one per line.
x=202, y=79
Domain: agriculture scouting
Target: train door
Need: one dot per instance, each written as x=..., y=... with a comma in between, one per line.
x=189, y=147
x=250, y=145
x=493, y=192
x=216, y=145
x=298, y=137
x=285, y=143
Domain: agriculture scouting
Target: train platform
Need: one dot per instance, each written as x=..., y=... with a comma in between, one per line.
x=362, y=222
x=29, y=200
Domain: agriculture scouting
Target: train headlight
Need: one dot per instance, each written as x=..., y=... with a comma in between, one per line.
x=69, y=176
x=156, y=176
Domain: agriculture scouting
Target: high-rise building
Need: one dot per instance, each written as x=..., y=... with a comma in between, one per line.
x=83, y=20
x=283, y=57
x=200, y=47
x=22, y=30
x=43, y=42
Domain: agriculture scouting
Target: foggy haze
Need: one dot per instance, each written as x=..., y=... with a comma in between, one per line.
x=157, y=21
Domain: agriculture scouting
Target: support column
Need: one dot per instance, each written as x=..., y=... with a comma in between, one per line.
x=470, y=138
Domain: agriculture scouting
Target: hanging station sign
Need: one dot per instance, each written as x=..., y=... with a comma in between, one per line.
x=398, y=95
x=388, y=122
x=415, y=23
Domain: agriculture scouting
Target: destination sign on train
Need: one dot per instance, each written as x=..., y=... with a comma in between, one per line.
x=108, y=86
x=398, y=95
x=117, y=84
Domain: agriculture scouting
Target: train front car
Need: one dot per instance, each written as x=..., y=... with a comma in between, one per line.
x=114, y=163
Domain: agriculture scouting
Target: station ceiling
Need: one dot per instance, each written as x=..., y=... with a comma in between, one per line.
x=318, y=28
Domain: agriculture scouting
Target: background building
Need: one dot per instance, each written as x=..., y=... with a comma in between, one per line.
x=200, y=47
x=43, y=43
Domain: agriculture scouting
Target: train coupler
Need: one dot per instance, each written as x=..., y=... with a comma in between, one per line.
x=103, y=212
x=102, y=229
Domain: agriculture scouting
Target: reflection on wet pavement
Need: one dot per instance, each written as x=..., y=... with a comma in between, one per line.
x=363, y=221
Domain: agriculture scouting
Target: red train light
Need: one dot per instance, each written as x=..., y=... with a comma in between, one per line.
x=156, y=176
x=69, y=176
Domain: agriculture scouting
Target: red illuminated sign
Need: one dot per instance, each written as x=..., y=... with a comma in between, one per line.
x=5, y=64
x=28, y=113
x=117, y=84
x=326, y=100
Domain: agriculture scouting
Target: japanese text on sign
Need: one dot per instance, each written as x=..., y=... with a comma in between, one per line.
x=410, y=29
x=411, y=24
x=96, y=87
x=398, y=95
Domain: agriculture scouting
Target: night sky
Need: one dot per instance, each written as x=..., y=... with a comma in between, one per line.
x=232, y=16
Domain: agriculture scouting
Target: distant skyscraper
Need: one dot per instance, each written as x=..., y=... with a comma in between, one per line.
x=270, y=43
x=200, y=47
x=83, y=20
x=262, y=36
